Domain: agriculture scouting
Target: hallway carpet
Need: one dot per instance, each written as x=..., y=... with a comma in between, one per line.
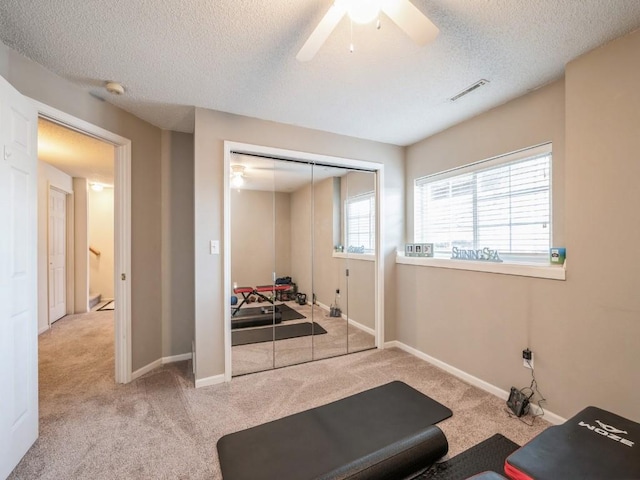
x=160, y=427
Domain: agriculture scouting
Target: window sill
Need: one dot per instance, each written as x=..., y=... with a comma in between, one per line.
x=369, y=257
x=520, y=269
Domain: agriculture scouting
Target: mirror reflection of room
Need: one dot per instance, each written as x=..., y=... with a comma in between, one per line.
x=296, y=295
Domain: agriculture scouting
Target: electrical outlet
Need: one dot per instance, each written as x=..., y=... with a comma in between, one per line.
x=528, y=363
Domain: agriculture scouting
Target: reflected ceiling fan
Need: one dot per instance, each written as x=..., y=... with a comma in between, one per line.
x=402, y=12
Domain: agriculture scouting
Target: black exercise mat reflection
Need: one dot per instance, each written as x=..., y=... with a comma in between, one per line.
x=281, y=332
x=110, y=305
x=487, y=455
x=286, y=311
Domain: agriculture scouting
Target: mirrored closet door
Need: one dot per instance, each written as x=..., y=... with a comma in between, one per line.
x=254, y=233
x=302, y=262
x=293, y=342
x=358, y=200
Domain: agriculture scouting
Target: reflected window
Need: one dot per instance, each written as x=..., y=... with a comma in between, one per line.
x=361, y=223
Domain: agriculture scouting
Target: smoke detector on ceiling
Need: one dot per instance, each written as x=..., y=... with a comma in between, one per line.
x=114, y=87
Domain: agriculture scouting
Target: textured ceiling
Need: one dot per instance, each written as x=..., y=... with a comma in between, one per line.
x=75, y=154
x=239, y=56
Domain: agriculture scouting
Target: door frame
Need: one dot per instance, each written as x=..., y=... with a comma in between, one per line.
x=122, y=229
x=247, y=148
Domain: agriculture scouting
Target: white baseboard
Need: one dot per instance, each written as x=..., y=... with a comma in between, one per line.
x=193, y=356
x=358, y=325
x=364, y=328
x=323, y=306
x=146, y=369
x=475, y=381
x=176, y=358
x=208, y=381
x=159, y=362
x=43, y=329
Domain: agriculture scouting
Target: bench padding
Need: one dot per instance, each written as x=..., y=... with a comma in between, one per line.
x=385, y=432
x=594, y=444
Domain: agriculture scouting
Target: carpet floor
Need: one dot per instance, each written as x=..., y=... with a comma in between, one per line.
x=340, y=339
x=159, y=426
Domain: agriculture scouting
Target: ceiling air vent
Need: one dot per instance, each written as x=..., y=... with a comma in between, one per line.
x=469, y=89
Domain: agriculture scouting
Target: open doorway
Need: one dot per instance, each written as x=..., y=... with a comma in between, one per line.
x=76, y=220
x=121, y=263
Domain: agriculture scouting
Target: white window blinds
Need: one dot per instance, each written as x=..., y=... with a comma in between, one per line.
x=503, y=204
x=361, y=222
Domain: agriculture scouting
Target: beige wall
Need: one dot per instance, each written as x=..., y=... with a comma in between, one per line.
x=481, y=322
x=328, y=273
x=212, y=128
x=584, y=331
x=101, y=238
x=36, y=82
x=260, y=236
x=177, y=243
x=81, y=245
x=595, y=326
x=315, y=270
x=301, y=241
x=47, y=176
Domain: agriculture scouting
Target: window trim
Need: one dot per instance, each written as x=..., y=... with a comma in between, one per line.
x=552, y=272
x=515, y=156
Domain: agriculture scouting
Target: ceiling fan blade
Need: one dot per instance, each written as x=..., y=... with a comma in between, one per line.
x=411, y=20
x=321, y=33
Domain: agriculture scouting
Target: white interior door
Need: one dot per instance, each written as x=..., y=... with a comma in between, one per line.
x=57, y=254
x=18, y=290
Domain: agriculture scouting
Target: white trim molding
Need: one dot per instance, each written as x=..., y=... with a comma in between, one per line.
x=177, y=358
x=369, y=257
x=158, y=363
x=552, y=272
x=122, y=230
x=214, y=380
x=146, y=369
x=470, y=379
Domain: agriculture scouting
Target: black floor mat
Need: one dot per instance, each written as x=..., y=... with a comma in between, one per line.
x=487, y=455
x=281, y=332
x=286, y=312
x=110, y=305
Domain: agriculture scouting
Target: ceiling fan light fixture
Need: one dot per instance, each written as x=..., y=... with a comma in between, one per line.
x=237, y=176
x=362, y=11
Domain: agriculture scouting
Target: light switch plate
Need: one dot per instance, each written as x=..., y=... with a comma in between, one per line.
x=214, y=247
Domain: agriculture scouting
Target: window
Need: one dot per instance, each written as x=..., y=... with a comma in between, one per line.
x=361, y=222
x=503, y=204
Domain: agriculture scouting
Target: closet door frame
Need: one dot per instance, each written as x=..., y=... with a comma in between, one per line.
x=278, y=153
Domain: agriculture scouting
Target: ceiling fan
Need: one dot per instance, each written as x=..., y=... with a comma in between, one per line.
x=402, y=12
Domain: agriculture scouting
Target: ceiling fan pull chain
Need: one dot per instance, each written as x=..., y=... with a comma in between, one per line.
x=351, y=45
